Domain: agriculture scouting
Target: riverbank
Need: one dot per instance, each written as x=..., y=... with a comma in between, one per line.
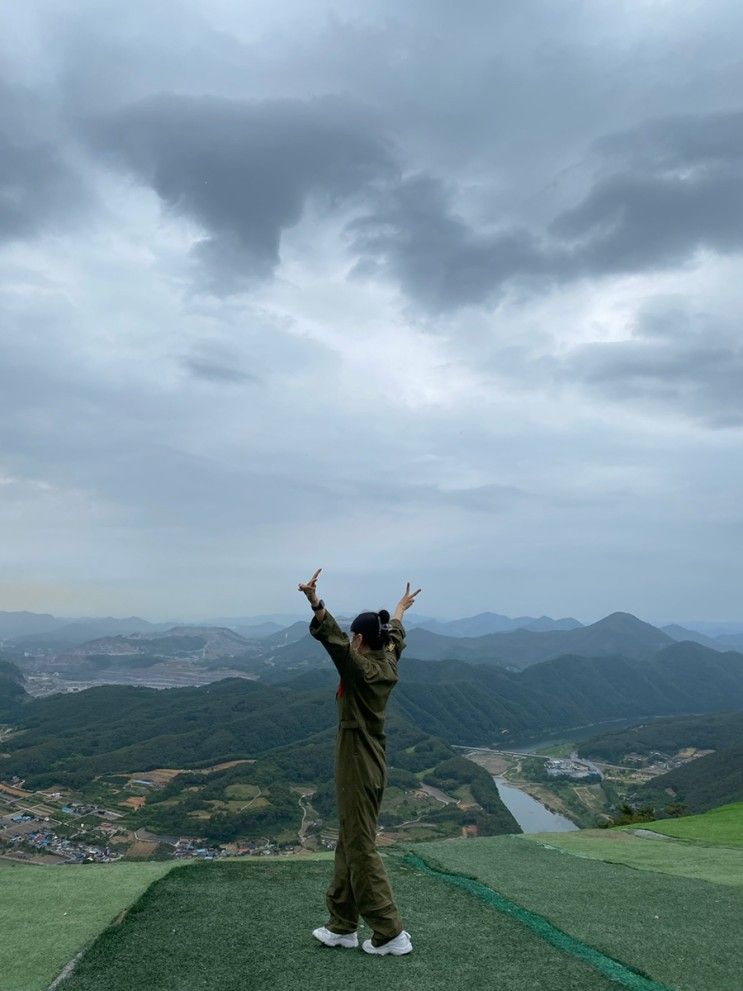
x=531, y=815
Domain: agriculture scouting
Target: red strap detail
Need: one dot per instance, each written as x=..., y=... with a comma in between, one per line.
x=340, y=691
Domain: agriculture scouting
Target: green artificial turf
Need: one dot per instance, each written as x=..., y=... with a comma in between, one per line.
x=48, y=914
x=683, y=932
x=720, y=865
x=246, y=927
x=617, y=971
x=722, y=826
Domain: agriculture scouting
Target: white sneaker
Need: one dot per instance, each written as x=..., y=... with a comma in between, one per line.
x=398, y=946
x=348, y=940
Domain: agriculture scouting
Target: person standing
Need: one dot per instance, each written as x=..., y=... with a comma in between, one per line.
x=367, y=666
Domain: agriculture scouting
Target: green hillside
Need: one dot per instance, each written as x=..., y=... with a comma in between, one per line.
x=214, y=804
x=722, y=826
x=12, y=692
x=69, y=738
x=630, y=845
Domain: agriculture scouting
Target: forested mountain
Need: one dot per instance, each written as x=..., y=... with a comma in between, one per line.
x=469, y=704
x=69, y=738
x=12, y=692
x=701, y=784
x=619, y=633
x=710, y=731
x=108, y=728
x=289, y=732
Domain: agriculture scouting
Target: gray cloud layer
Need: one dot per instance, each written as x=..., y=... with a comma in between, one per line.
x=450, y=287
x=39, y=188
x=245, y=171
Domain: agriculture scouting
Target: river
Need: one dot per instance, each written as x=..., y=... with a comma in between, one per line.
x=530, y=814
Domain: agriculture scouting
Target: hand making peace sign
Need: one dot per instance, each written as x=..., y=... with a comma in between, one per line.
x=310, y=588
x=407, y=599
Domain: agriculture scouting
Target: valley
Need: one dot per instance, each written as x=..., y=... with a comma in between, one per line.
x=203, y=742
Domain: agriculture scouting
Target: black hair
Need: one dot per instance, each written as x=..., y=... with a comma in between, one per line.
x=374, y=628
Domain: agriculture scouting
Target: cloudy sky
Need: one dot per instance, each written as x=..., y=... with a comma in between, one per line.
x=448, y=292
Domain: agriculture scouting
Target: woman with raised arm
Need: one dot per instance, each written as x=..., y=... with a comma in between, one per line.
x=367, y=665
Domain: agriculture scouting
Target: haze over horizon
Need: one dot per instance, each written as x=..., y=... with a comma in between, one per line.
x=440, y=294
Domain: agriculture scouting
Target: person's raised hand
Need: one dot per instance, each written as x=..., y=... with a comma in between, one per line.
x=310, y=588
x=407, y=598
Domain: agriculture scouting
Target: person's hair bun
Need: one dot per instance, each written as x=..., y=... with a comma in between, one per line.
x=384, y=616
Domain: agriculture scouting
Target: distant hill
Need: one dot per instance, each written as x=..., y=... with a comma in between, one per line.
x=712, y=629
x=730, y=641
x=681, y=633
x=71, y=634
x=619, y=633
x=490, y=622
x=256, y=631
x=291, y=634
x=204, y=642
x=18, y=624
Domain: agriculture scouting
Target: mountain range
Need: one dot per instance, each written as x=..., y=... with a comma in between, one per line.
x=464, y=703
x=46, y=631
x=617, y=634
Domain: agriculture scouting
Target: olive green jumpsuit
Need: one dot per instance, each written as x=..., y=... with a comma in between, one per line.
x=360, y=885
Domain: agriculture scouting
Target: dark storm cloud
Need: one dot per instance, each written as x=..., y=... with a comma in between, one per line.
x=687, y=363
x=243, y=170
x=440, y=260
x=663, y=191
x=38, y=187
x=678, y=141
x=681, y=189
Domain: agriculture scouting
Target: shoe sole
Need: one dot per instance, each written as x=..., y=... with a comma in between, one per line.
x=389, y=953
x=335, y=946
